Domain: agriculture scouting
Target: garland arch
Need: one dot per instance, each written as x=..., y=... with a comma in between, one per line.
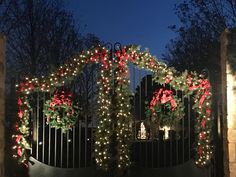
x=64, y=73
x=189, y=83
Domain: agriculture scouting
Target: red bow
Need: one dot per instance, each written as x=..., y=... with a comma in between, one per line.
x=167, y=96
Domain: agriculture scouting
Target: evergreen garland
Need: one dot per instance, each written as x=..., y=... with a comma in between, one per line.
x=190, y=83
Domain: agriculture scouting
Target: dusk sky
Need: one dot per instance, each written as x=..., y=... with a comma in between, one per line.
x=127, y=21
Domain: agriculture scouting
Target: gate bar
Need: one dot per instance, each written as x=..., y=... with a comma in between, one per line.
x=189, y=132
x=55, y=148
x=182, y=99
x=43, y=143
x=140, y=111
x=61, y=149
x=67, y=149
x=49, y=144
x=145, y=96
x=73, y=156
x=37, y=127
x=79, y=143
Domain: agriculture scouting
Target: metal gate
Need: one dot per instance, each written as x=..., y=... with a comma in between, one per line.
x=74, y=149
x=161, y=151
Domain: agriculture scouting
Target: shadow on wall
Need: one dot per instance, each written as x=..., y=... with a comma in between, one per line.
x=38, y=169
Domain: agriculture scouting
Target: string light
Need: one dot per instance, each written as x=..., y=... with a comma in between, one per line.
x=22, y=130
x=189, y=83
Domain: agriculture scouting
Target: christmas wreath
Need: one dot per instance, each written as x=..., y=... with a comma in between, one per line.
x=165, y=108
x=60, y=111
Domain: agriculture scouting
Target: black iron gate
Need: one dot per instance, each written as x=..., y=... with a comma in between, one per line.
x=74, y=149
x=161, y=151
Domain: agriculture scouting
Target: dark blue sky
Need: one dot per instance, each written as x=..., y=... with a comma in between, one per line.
x=127, y=21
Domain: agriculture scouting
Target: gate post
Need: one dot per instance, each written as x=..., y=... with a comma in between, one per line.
x=2, y=104
x=228, y=91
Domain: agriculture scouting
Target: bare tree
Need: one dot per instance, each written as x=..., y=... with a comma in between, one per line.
x=198, y=47
x=41, y=35
x=202, y=22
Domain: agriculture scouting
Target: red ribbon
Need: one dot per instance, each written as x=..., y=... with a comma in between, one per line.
x=18, y=138
x=205, y=84
x=203, y=123
x=200, y=150
x=193, y=87
x=208, y=111
x=203, y=97
x=20, y=114
x=19, y=152
x=173, y=104
x=20, y=102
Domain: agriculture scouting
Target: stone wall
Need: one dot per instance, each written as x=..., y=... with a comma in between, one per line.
x=2, y=103
x=228, y=66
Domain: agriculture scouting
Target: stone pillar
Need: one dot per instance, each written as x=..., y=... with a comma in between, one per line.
x=2, y=104
x=228, y=87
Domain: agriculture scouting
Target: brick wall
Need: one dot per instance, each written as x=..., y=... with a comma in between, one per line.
x=2, y=103
x=228, y=59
